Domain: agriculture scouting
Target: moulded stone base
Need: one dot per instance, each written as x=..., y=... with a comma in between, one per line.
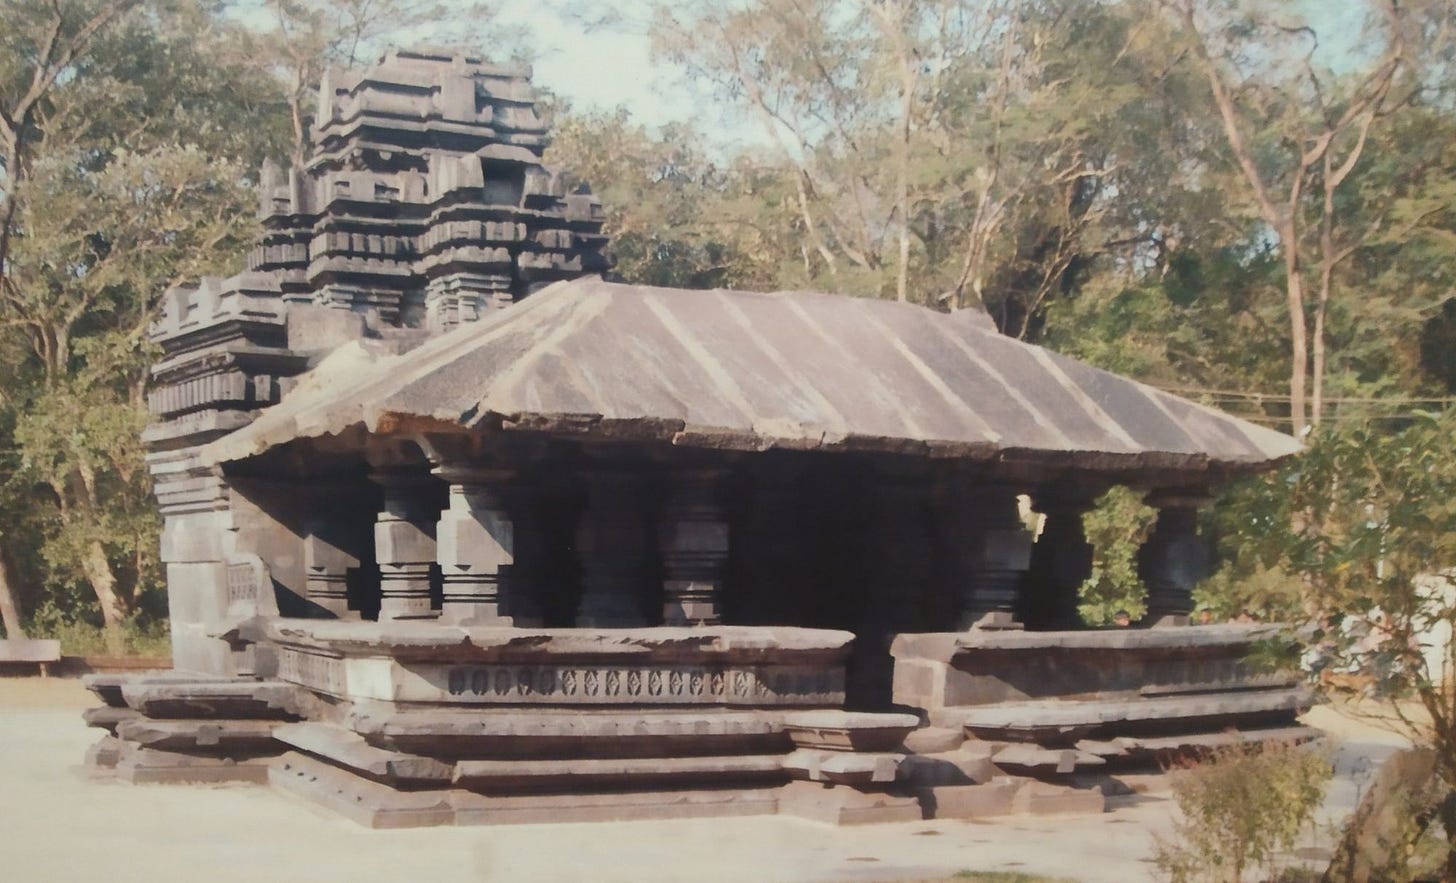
x=379, y=806
x=142, y=766
x=844, y=805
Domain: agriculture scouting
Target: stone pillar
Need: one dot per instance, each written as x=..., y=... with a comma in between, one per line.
x=693, y=537
x=614, y=542
x=985, y=551
x=1173, y=559
x=404, y=545
x=1061, y=561
x=327, y=563
x=476, y=546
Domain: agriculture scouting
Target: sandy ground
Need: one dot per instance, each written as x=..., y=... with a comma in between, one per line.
x=57, y=825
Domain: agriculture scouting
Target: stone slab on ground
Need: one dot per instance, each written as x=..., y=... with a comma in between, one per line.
x=970, y=801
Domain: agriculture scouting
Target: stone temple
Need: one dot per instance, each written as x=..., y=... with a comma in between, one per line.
x=458, y=532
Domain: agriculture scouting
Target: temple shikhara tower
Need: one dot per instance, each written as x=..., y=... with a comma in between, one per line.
x=457, y=531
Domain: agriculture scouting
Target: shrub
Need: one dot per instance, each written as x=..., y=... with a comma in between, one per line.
x=1240, y=806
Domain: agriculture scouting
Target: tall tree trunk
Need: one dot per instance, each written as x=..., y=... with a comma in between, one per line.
x=9, y=607
x=1298, y=335
x=103, y=581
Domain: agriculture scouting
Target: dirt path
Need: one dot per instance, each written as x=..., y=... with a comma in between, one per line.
x=56, y=825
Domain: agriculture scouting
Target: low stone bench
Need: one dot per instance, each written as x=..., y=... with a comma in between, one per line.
x=40, y=652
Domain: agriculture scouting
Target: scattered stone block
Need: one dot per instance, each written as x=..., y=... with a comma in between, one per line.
x=845, y=805
x=993, y=798
x=103, y=755
x=933, y=740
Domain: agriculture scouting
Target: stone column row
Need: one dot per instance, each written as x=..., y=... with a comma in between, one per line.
x=474, y=543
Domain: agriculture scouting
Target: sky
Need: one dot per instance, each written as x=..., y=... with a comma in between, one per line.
x=600, y=68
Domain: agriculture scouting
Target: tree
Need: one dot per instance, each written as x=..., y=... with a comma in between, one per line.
x=111, y=193
x=1290, y=133
x=945, y=151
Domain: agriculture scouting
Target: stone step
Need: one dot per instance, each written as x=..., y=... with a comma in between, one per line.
x=141, y=766
x=633, y=772
x=350, y=750
x=377, y=805
x=1072, y=719
x=106, y=717
x=234, y=699
x=515, y=734
x=232, y=738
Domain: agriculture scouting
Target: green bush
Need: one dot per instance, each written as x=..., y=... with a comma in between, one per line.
x=1239, y=807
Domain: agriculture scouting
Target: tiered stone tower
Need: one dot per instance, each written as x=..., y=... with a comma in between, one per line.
x=425, y=201
x=425, y=205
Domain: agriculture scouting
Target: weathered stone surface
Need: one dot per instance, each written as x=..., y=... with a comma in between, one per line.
x=230, y=737
x=1040, y=798
x=991, y=798
x=845, y=805
x=350, y=750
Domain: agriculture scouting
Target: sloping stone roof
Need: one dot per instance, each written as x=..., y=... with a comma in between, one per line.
x=752, y=371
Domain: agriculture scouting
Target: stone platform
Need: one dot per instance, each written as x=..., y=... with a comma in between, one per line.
x=407, y=724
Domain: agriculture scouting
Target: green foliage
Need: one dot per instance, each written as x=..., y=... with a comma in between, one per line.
x=1238, y=808
x=1116, y=527
x=144, y=634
